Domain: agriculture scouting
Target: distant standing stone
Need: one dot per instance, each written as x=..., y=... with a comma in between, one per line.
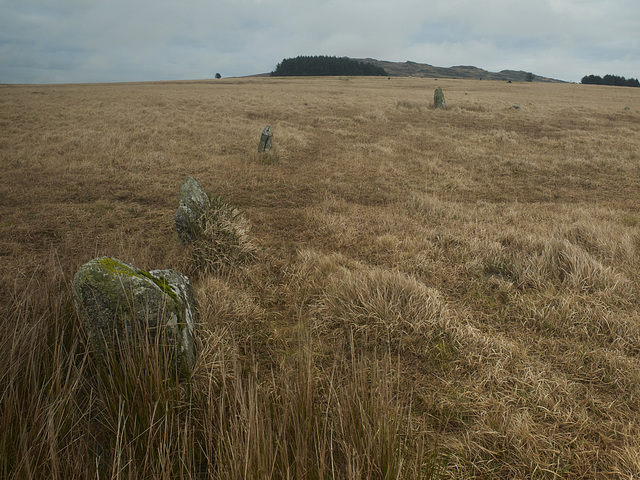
x=438, y=98
x=265, y=139
x=193, y=203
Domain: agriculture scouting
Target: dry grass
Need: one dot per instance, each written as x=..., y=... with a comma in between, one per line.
x=225, y=239
x=449, y=293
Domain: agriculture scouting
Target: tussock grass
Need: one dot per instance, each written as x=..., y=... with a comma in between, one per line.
x=556, y=262
x=377, y=307
x=225, y=240
x=408, y=292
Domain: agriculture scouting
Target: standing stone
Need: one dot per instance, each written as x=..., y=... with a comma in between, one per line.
x=117, y=301
x=265, y=139
x=438, y=99
x=193, y=203
x=181, y=287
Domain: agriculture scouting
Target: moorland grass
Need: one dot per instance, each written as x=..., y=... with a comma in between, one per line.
x=429, y=293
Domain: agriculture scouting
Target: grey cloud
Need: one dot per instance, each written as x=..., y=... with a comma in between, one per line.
x=90, y=40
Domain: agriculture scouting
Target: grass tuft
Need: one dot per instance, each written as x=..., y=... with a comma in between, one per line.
x=225, y=239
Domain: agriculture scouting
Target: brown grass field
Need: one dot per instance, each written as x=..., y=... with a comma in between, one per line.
x=436, y=293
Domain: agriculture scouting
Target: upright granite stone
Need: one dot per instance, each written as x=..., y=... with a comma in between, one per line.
x=265, y=139
x=193, y=203
x=117, y=302
x=438, y=99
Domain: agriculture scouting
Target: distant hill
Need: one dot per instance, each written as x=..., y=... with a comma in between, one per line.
x=413, y=69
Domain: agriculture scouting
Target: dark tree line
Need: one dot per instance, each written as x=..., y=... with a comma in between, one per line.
x=323, y=66
x=610, y=80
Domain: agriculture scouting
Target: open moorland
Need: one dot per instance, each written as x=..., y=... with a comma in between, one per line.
x=435, y=293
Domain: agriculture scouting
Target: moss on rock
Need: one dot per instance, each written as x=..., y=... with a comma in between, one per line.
x=115, y=300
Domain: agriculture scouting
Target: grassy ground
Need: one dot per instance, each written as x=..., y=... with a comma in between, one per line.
x=448, y=293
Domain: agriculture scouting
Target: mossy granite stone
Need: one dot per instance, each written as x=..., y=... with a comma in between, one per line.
x=114, y=299
x=193, y=203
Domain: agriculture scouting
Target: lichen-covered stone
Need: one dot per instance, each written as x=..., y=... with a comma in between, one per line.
x=117, y=301
x=193, y=203
x=265, y=139
x=181, y=287
x=438, y=99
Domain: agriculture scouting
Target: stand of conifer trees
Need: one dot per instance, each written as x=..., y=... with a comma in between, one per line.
x=610, y=80
x=324, y=66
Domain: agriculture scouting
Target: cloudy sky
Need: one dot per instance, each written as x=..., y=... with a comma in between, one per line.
x=70, y=41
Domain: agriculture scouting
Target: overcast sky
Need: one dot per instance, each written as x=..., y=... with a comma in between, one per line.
x=69, y=41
